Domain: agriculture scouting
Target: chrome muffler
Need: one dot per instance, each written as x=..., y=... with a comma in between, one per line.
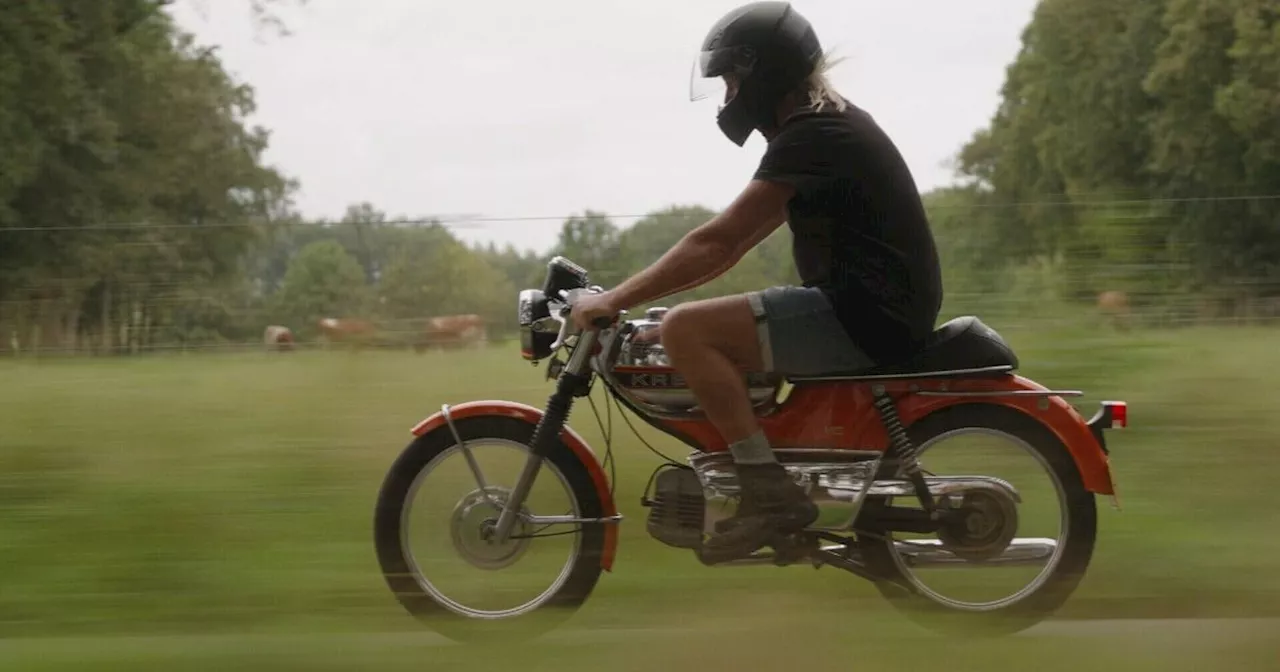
x=931, y=553
x=837, y=476
x=926, y=553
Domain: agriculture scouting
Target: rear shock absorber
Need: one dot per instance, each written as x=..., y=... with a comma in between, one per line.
x=901, y=451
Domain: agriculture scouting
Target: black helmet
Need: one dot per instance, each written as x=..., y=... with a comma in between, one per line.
x=770, y=48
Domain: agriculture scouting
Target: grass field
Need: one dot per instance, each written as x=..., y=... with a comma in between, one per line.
x=231, y=496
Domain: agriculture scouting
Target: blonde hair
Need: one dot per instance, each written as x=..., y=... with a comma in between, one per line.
x=817, y=86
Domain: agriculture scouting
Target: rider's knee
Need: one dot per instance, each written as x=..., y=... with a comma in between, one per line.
x=680, y=327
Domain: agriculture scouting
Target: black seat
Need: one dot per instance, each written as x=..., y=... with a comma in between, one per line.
x=963, y=346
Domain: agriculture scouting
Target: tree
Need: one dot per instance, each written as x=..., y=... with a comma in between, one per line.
x=263, y=12
x=591, y=241
x=129, y=172
x=323, y=280
x=364, y=220
x=434, y=274
x=523, y=269
x=1121, y=127
x=1217, y=82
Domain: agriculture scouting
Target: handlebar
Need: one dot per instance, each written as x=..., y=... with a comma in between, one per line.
x=570, y=297
x=561, y=315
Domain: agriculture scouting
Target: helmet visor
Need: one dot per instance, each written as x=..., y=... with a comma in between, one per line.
x=716, y=73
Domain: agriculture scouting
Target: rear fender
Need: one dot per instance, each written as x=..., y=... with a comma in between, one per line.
x=1081, y=438
x=571, y=439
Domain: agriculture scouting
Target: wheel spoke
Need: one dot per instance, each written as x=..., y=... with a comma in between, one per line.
x=474, y=553
x=987, y=529
x=466, y=450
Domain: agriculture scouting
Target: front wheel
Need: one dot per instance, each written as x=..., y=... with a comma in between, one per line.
x=422, y=548
x=1043, y=542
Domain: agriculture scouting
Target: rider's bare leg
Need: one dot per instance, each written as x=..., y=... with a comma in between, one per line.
x=712, y=343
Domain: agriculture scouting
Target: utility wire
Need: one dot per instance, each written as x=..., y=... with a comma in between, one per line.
x=479, y=222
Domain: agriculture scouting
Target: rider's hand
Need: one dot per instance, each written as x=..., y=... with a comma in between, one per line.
x=593, y=306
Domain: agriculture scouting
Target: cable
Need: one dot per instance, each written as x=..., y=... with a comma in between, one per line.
x=608, y=440
x=469, y=222
x=653, y=450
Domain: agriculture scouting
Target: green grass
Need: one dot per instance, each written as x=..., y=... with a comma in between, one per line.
x=234, y=494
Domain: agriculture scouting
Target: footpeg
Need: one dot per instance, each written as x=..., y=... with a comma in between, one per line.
x=792, y=549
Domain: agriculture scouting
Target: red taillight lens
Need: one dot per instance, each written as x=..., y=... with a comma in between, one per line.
x=1119, y=413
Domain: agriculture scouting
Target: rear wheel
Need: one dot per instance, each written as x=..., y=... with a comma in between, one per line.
x=969, y=550
x=494, y=597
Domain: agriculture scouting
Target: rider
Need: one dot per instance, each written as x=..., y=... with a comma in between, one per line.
x=862, y=245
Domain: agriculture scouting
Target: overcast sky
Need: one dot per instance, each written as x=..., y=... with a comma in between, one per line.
x=511, y=109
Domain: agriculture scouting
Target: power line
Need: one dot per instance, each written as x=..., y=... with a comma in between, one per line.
x=480, y=222
x=1135, y=201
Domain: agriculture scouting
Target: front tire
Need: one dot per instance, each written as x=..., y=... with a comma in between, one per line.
x=1076, y=550
x=412, y=590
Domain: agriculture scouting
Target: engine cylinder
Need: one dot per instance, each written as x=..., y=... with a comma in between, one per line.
x=677, y=507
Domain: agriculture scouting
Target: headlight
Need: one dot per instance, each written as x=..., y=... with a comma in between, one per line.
x=532, y=313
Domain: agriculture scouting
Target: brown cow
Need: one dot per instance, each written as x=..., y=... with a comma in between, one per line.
x=354, y=332
x=1114, y=306
x=278, y=338
x=454, y=331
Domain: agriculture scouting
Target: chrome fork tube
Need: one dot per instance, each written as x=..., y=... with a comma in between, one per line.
x=575, y=375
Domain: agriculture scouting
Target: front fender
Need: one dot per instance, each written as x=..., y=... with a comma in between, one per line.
x=571, y=439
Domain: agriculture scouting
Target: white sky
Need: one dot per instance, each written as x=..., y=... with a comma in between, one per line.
x=511, y=109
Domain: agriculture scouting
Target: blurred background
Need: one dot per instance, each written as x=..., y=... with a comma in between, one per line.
x=214, y=343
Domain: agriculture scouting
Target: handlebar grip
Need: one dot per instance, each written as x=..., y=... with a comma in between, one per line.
x=598, y=323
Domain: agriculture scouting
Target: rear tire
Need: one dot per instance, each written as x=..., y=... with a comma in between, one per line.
x=397, y=567
x=1081, y=530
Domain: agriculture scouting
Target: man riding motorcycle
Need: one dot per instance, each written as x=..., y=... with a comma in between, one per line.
x=862, y=245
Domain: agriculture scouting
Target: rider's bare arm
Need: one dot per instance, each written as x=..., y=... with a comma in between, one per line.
x=711, y=249
x=728, y=264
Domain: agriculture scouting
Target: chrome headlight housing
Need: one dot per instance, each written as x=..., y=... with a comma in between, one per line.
x=538, y=330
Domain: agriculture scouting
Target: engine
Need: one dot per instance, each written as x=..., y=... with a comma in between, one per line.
x=688, y=501
x=678, y=508
x=643, y=372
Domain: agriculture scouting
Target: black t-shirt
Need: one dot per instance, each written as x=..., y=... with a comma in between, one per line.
x=860, y=232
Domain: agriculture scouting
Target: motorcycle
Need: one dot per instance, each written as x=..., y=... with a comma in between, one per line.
x=856, y=440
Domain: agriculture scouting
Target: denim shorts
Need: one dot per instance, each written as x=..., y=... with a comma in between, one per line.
x=800, y=335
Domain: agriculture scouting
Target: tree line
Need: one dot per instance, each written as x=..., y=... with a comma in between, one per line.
x=397, y=270
x=1135, y=148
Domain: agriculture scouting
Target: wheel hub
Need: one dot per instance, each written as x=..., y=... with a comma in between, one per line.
x=981, y=526
x=472, y=527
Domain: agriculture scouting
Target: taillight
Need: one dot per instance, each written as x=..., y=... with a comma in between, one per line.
x=1119, y=413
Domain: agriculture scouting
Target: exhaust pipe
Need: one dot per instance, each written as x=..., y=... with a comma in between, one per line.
x=1021, y=551
x=842, y=474
x=938, y=486
x=925, y=553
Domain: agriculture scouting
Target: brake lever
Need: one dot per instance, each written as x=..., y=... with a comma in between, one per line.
x=569, y=295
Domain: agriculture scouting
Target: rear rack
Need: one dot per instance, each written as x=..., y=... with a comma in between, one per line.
x=1002, y=393
x=993, y=371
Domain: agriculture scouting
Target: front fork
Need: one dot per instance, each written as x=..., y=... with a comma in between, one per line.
x=572, y=382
